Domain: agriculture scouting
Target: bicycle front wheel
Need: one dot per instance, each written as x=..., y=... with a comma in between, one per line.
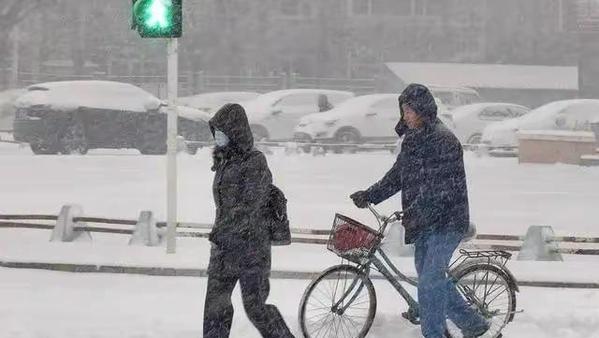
x=341, y=302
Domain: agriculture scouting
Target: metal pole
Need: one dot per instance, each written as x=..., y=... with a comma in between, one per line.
x=171, y=169
x=16, y=36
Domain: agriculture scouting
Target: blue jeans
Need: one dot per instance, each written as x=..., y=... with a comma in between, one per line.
x=437, y=295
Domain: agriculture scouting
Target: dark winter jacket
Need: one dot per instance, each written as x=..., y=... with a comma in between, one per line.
x=241, y=185
x=429, y=171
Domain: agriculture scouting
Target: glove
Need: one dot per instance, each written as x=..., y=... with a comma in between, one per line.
x=360, y=199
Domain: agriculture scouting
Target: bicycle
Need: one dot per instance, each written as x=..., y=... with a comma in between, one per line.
x=341, y=301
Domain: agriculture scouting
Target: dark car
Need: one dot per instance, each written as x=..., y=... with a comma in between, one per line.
x=72, y=117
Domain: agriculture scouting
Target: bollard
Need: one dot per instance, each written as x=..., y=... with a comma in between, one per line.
x=146, y=232
x=481, y=150
x=318, y=151
x=63, y=231
x=291, y=148
x=539, y=245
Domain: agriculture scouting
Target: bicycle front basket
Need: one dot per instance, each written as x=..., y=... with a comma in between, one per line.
x=352, y=240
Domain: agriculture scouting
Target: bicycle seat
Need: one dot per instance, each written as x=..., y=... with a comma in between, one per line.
x=470, y=233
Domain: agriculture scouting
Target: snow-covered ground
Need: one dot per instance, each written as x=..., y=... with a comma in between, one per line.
x=505, y=198
x=57, y=305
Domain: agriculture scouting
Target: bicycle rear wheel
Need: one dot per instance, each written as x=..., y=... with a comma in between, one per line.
x=490, y=291
x=341, y=302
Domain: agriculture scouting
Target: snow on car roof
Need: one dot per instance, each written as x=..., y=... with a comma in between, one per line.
x=555, y=107
x=470, y=108
x=541, y=113
x=366, y=100
x=70, y=95
x=277, y=94
x=192, y=114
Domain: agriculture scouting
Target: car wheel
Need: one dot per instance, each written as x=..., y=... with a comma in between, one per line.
x=349, y=137
x=475, y=139
x=260, y=133
x=192, y=149
x=73, y=140
x=43, y=149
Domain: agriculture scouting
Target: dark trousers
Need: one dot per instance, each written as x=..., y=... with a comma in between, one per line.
x=255, y=287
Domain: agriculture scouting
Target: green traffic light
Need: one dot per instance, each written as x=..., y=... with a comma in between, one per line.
x=157, y=14
x=158, y=18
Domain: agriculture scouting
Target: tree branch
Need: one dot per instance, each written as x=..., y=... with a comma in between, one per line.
x=16, y=10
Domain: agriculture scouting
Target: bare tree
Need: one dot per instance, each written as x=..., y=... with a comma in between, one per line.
x=14, y=11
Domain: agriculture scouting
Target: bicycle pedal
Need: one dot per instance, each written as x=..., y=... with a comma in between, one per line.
x=411, y=318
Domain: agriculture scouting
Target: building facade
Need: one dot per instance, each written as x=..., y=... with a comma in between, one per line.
x=320, y=38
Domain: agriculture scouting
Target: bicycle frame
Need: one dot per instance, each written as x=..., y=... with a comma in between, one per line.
x=385, y=267
x=392, y=274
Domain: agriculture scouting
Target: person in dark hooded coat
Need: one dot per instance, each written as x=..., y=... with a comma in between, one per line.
x=430, y=174
x=241, y=248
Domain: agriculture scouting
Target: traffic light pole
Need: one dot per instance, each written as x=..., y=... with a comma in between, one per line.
x=171, y=170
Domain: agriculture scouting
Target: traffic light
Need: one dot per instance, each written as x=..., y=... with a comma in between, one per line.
x=158, y=18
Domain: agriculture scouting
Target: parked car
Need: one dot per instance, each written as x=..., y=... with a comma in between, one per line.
x=193, y=126
x=453, y=97
x=501, y=137
x=7, y=108
x=363, y=119
x=74, y=116
x=469, y=121
x=274, y=115
x=368, y=118
x=211, y=102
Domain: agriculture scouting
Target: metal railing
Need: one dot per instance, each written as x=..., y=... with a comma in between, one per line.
x=317, y=236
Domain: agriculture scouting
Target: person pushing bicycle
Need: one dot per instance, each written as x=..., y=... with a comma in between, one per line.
x=429, y=172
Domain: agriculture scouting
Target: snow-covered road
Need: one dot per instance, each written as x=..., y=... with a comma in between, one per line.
x=58, y=305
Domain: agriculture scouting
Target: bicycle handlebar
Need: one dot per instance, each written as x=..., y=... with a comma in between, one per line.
x=383, y=220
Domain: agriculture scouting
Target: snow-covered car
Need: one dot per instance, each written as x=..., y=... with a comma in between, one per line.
x=193, y=126
x=363, y=119
x=74, y=116
x=367, y=118
x=274, y=115
x=501, y=137
x=469, y=121
x=453, y=97
x=211, y=102
x=7, y=108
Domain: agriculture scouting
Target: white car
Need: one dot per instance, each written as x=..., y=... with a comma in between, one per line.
x=558, y=115
x=211, y=102
x=469, y=121
x=367, y=118
x=453, y=97
x=72, y=117
x=274, y=115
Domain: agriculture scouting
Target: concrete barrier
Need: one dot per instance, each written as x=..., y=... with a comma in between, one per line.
x=540, y=245
x=65, y=231
x=146, y=231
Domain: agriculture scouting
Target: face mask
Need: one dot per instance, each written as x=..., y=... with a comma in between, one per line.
x=220, y=138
